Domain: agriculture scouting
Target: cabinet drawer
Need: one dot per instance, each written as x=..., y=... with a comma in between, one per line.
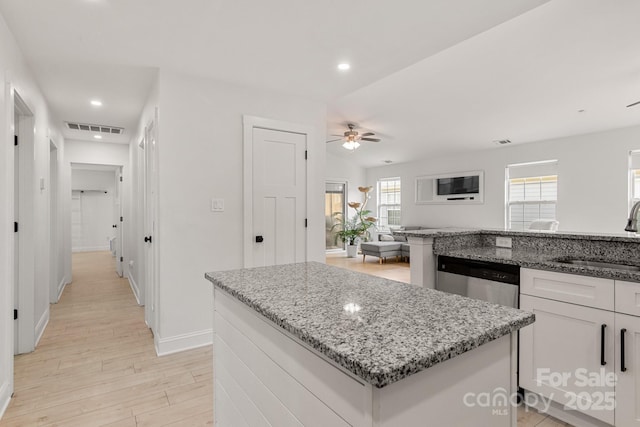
x=588, y=291
x=628, y=298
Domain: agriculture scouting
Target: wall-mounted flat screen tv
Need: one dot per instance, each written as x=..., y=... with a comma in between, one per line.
x=459, y=185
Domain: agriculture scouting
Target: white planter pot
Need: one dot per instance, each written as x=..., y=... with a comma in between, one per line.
x=352, y=251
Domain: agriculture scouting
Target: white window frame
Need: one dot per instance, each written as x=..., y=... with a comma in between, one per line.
x=634, y=170
x=541, y=166
x=387, y=205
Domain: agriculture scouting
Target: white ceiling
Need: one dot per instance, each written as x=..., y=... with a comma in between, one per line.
x=524, y=80
x=431, y=77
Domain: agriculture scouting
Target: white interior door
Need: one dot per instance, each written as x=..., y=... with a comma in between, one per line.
x=25, y=189
x=117, y=221
x=16, y=239
x=279, y=197
x=53, y=223
x=150, y=195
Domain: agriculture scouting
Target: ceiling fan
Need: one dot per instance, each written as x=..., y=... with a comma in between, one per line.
x=352, y=138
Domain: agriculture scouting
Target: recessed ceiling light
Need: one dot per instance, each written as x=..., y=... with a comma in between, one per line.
x=96, y=103
x=97, y=136
x=344, y=66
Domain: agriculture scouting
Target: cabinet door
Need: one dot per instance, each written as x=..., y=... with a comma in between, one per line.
x=572, y=288
x=628, y=385
x=561, y=356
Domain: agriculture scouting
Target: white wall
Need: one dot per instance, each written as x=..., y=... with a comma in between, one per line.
x=95, y=191
x=96, y=153
x=16, y=75
x=592, y=182
x=342, y=169
x=200, y=156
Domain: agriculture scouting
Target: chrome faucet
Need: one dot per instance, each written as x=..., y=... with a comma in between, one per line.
x=632, y=223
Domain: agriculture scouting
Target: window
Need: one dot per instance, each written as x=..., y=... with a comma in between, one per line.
x=532, y=193
x=634, y=173
x=388, y=203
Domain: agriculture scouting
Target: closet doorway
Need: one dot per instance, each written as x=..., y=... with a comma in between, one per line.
x=96, y=210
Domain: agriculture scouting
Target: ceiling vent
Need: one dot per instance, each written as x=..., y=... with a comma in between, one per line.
x=502, y=141
x=84, y=127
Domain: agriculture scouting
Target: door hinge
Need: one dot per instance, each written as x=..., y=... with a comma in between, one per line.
x=15, y=140
x=15, y=314
x=306, y=153
x=120, y=179
x=120, y=219
x=15, y=227
x=306, y=223
x=121, y=259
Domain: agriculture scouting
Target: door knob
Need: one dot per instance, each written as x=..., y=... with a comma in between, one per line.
x=147, y=239
x=259, y=239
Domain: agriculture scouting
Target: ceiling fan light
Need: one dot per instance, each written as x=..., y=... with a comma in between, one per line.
x=351, y=145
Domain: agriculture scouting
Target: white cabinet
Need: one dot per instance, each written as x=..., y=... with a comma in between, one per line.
x=583, y=350
x=567, y=343
x=628, y=369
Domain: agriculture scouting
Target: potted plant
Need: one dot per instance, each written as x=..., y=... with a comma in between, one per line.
x=356, y=228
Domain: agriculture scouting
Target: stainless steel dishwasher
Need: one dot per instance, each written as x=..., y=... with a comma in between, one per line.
x=487, y=281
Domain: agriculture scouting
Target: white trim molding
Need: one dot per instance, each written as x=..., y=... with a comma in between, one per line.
x=63, y=284
x=178, y=343
x=134, y=287
x=5, y=397
x=42, y=325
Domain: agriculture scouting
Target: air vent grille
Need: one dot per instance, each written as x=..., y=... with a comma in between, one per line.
x=95, y=128
x=502, y=141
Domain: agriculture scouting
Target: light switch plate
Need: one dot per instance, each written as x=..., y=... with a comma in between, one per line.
x=217, y=205
x=503, y=242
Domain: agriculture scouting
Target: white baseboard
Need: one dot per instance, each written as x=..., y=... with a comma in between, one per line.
x=5, y=397
x=134, y=288
x=178, y=343
x=61, y=286
x=90, y=248
x=42, y=325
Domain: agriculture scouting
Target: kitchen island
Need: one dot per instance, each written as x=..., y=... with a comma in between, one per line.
x=311, y=344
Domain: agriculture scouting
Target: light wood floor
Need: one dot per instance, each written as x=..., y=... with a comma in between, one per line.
x=394, y=270
x=96, y=365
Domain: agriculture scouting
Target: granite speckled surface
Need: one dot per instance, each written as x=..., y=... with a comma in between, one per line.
x=547, y=261
x=541, y=249
x=398, y=330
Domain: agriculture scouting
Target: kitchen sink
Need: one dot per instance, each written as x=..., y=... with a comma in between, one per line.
x=599, y=264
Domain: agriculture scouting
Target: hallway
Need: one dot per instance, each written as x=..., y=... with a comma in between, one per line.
x=96, y=364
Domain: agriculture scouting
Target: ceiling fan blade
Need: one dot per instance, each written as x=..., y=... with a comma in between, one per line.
x=334, y=140
x=371, y=139
x=635, y=103
x=368, y=134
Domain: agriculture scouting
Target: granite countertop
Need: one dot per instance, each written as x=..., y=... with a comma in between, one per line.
x=440, y=232
x=380, y=330
x=544, y=261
